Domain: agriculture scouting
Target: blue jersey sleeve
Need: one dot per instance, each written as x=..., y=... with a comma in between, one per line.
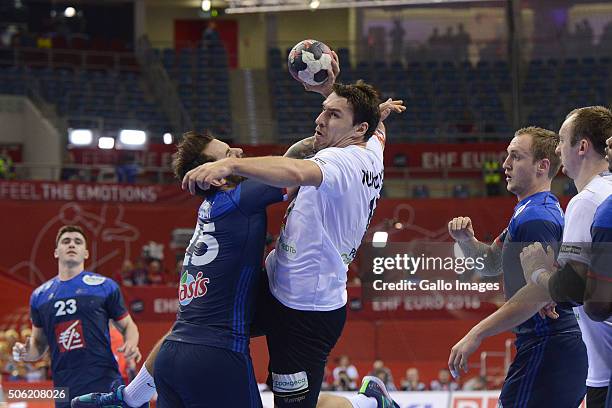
x=601, y=250
x=115, y=306
x=549, y=233
x=34, y=312
x=253, y=197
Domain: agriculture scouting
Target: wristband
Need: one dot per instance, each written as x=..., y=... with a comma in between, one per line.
x=536, y=275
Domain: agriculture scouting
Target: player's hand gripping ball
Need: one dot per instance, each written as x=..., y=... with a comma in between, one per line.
x=309, y=62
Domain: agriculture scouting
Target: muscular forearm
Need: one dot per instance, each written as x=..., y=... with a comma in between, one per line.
x=150, y=361
x=302, y=149
x=35, y=349
x=130, y=333
x=518, y=309
x=491, y=256
x=278, y=171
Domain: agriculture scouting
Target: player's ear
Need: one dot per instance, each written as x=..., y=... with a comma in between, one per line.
x=55, y=254
x=86, y=254
x=543, y=166
x=362, y=128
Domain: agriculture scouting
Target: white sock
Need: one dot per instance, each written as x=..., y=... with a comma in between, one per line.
x=361, y=401
x=140, y=390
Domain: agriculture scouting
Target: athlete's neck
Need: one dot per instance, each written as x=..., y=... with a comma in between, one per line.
x=532, y=191
x=351, y=141
x=589, y=172
x=67, y=272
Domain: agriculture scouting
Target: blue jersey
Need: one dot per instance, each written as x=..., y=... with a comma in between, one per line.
x=74, y=316
x=601, y=232
x=537, y=218
x=222, y=268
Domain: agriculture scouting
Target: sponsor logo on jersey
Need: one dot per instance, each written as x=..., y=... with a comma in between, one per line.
x=288, y=248
x=69, y=335
x=289, y=383
x=190, y=288
x=92, y=280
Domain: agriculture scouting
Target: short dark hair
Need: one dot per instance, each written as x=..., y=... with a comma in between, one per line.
x=544, y=142
x=364, y=99
x=69, y=228
x=189, y=154
x=593, y=123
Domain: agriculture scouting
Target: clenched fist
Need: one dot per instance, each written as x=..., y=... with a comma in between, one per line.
x=460, y=229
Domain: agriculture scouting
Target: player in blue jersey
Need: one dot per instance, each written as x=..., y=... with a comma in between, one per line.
x=204, y=360
x=537, y=377
x=70, y=316
x=569, y=277
x=598, y=291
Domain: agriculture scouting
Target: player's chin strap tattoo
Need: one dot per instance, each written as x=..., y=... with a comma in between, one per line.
x=303, y=149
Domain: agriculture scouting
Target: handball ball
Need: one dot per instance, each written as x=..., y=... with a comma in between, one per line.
x=309, y=61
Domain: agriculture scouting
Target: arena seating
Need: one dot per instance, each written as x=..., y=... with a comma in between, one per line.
x=85, y=96
x=202, y=79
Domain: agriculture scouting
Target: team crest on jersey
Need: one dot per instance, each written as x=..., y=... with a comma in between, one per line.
x=190, y=288
x=92, y=280
x=69, y=335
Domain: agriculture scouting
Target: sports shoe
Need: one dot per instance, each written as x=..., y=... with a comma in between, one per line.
x=373, y=387
x=113, y=399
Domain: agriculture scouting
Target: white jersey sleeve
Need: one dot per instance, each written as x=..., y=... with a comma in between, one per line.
x=577, y=231
x=335, y=166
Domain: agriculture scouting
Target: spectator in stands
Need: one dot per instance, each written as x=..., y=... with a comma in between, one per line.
x=7, y=167
x=384, y=373
x=461, y=191
x=411, y=382
x=69, y=169
x=463, y=40
x=420, y=191
x=156, y=274
x=477, y=383
x=397, y=41
x=443, y=383
x=210, y=36
x=491, y=173
x=124, y=276
x=140, y=274
x=345, y=375
x=128, y=169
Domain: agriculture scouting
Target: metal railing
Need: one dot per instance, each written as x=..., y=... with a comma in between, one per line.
x=68, y=58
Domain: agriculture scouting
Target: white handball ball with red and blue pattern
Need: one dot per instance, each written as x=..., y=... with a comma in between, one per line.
x=309, y=62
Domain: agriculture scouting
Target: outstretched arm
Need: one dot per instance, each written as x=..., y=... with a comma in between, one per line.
x=518, y=309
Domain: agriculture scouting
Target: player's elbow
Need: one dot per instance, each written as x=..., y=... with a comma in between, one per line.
x=598, y=311
x=305, y=173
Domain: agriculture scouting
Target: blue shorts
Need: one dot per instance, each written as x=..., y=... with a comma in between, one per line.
x=547, y=372
x=199, y=376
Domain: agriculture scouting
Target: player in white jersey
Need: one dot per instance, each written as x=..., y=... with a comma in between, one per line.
x=582, y=149
x=338, y=189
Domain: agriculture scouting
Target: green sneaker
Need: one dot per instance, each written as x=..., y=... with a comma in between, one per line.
x=373, y=387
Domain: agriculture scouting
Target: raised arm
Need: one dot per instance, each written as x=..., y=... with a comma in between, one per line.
x=462, y=231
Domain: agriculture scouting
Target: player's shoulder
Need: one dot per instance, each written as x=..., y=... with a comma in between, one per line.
x=603, y=214
x=39, y=292
x=544, y=207
x=98, y=282
x=584, y=201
